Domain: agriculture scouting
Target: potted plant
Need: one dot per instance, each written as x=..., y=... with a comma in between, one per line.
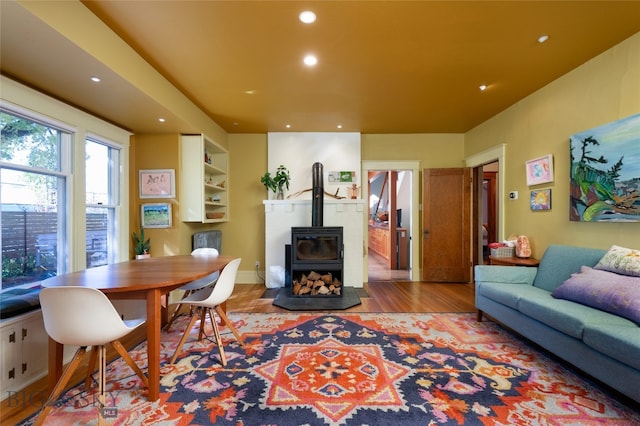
x=278, y=182
x=141, y=246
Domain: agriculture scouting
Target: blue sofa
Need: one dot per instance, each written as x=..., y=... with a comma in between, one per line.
x=603, y=345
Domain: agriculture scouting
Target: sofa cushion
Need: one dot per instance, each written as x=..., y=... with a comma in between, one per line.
x=508, y=294
x=621, y=343
x=566, y=316
x=559, y=262
x=607, y=291
x=17, y=301
x=621, y=260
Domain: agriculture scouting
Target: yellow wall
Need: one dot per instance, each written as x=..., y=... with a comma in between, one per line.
x=243, y=235
x=432, y=150
x=605, y=89
x=156, y=152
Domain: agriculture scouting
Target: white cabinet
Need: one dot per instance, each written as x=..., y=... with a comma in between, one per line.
x=24, y=351
x=204, y=182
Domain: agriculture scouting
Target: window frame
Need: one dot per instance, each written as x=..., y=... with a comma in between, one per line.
x=37, y=106
x=114, y=190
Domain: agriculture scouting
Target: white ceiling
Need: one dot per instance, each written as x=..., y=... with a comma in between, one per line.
x=384, y=66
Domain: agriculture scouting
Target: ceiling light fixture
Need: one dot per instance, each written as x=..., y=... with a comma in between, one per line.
x=543, y=38
x=310, y=60
x=95, y=79
x=162, y=120
x=288, y=126
x=339, y=126
x=307, y=17
x=483, y=87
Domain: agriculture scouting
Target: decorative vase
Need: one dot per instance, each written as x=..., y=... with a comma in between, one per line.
x=143, y=256
x=279, y=194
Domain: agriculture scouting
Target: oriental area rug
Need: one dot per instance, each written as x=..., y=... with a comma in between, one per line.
x=351, y=369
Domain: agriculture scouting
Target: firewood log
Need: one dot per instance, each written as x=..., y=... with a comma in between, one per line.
x=304, y=290
x=313, y=275
x=323, y=290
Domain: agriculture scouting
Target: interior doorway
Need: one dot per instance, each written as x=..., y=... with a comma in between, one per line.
x=392, y=218
x=389, y=214
x=489, y=207
x=488, y=200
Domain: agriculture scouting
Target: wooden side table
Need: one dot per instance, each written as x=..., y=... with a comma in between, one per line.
x=513, y=261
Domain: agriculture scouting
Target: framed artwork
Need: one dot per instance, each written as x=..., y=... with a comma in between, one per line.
x=157, y=183
x=156, y=215
x=540, y=170
x=605, y=173
x=541, y=199
x=343, y=176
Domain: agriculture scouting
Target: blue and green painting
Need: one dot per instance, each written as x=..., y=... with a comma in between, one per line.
x=605, y=173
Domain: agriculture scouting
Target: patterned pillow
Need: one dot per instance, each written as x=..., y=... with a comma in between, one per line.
x=607, y=291
x=621, y=260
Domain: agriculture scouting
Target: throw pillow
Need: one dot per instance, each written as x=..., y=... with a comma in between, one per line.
x=607, y=291
x=621, y=260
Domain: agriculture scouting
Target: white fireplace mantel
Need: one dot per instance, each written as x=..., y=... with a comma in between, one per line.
x=281, y=215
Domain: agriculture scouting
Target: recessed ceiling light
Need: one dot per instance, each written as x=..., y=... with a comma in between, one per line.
x=288, y=126
x=249, y=92
x=307, y=17
x=483, y=87
x=95, y=79
x=339, y=126
x=162, y=120
x=310, y=60
x=543, y=38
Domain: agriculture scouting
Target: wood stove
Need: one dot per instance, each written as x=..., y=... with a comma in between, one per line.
x=317, y=261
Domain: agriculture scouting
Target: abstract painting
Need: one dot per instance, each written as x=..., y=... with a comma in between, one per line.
x=605, y=173
x=540, y=199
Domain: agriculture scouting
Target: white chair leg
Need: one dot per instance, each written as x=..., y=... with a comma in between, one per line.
x=216, y=332
x=102, y=371
x=127, y=358
x=64, y=379
x=225, y=320
x=91, y=368
x=194, y=317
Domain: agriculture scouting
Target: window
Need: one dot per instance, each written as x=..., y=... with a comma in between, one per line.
x=59, y=214
x=102, y=163
x=34, y=172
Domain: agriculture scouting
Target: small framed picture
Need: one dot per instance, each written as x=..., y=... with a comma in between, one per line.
x=156, y=215
x=540, y=170
x=157, y=183
x=541, y=199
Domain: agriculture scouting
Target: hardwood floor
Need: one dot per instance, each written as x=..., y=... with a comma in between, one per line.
x=378, y=269
x=383, y=296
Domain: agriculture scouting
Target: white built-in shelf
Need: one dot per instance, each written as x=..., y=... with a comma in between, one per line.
x=204, y=183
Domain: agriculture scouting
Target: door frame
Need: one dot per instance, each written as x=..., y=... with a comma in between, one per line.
x=491, y=155
x=414, y=229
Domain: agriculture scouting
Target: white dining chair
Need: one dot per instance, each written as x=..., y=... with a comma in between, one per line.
x=208, y=299
x=194, y=285
x=83, y=316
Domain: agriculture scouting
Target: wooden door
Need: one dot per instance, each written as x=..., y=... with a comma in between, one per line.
x=446, y=224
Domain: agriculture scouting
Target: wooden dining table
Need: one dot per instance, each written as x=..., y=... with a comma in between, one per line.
x=147, y=279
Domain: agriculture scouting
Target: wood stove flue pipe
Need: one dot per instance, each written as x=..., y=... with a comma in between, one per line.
x=317, y=202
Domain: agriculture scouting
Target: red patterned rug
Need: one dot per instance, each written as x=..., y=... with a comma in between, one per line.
x=352, y=369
